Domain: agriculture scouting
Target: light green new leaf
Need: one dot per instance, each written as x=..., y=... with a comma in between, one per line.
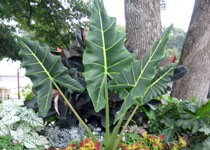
x=44, y=69
x=131, y=84
x=105, y=54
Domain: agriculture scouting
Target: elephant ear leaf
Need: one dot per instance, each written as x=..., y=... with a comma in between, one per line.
x=105, y=54
x=159, y=83
x=45, y=70
x=138, y=78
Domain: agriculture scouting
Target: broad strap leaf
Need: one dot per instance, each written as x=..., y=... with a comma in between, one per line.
x=105, y=54
x=138, y=78
x=157, y=87
x=44, y=69
x=159, y=83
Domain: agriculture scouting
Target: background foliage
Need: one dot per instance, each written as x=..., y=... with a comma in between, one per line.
x=8, y=48
x=188, y=119
x=48, y=21
x=176, y=40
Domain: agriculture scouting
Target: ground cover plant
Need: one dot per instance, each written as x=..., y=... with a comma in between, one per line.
x=141, y=142
x=60, y=137
x=7, y=142
x=107, y=65
x=22, y=124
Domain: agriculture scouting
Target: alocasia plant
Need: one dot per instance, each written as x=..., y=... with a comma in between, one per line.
x=46, y=70
x=104, y=56
x=107, y=64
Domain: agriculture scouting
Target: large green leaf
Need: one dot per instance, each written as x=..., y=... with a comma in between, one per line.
x=44, y=70
x=105, y=54
x=159, y=83
x=134, y=83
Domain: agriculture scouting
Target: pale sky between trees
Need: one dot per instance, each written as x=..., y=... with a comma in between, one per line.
x=177, y=12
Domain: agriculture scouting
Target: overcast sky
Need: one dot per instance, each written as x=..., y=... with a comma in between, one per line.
x=177, y=12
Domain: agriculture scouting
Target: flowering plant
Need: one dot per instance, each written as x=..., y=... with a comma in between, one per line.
x=152, y=142
x=145, y=142
x=85, y=144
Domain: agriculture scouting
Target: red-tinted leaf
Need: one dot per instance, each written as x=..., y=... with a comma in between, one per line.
x=59, y=49
x=172, y=58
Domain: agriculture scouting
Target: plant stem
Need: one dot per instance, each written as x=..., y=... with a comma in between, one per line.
x=107, y=116
x=113, y=145
x=75, y=113
x=124, y=127
x=129, y=119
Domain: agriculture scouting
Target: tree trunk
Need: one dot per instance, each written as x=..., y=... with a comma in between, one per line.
x=143, y=24
x=196, y=55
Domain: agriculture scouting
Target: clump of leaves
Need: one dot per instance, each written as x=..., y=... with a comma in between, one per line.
x=21, y=123
x=7, y=142
x=188, y=118
x=61, y=137
x=132, y=133
x=85, y=144
x=150, y=141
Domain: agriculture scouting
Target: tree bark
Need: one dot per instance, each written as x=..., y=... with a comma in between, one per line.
x=143, y=24
x=196, y=55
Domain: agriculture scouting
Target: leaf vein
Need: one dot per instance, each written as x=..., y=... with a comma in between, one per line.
x=67, y=85
x=38, y=72
x=117, y=63
x=109, y=26
x=96, y=76
x=48, y=95
x=99, y=94
x=45, y=55
x=122, y=37
x=95, y=44
x=97, y=64
x=53, y=65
